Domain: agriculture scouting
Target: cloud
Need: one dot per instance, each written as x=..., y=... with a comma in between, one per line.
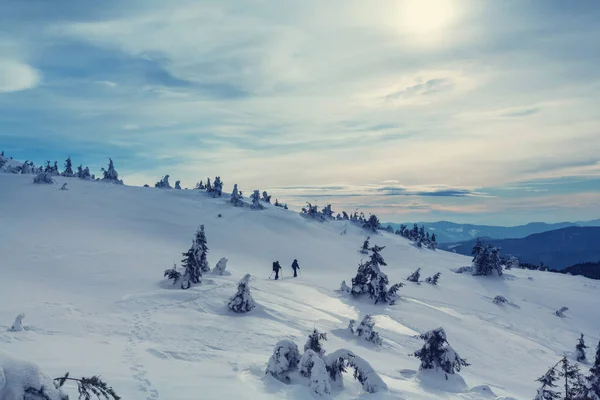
x=524, y=112
x=16, y=76
x=431, y=86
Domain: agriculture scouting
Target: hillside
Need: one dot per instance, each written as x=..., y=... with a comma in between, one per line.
x=450, y=232
x=556, y=249
x=85, y=265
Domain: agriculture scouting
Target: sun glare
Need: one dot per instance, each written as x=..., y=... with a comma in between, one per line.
x=427, y=19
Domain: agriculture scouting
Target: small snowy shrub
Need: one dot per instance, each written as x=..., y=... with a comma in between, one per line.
x=285, y=359
x=242, y=301
x=344, y=288
x=365, y=330
x=163, y=183
x=338, y=361
x=561, y=312
x=255, y=197
x=463, y=270
x=414, y=277
x=17, y=326
x=314, y=342
x=173, y=274
x=433, y=280
x=219, y=269
x=236, y=197
x=313, y=367
x=580, y=349
x=178, y=185
x=437, y=353
x=43, y=178
x=500, y=300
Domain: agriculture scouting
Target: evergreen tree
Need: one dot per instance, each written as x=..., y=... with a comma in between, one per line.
x=572, y=379
x=370, y=279
x=345, y=215
x=414, y=234
x=255, y=197
x=236, y=197
x=79, y=171
x=548, y=381
x=365, y=330
x=365, y=246
x=494, y=261
x=310, y=210
x=209, y=188
x=327, y=212
x=314, y=342
x=217, y=187
x=178, y=185
x=55, y=169
x=265, y=197
x=438, y=354
x=372, y=224
x=200, y=186
x=422, y=232
x=195, y=261
x=284, y=360
x=434, y=279
x=242, y=301
x=173, y=274
x=481, y=262
x=68, y=168
x=163, y=183
x=414, y=277
x=111, y=174
x=477, y=249
x=86, y=174
x=593, y=379
x=580, y=348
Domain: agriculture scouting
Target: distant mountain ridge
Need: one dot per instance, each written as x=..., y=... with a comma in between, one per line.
x=557, y=249
x=450, y=232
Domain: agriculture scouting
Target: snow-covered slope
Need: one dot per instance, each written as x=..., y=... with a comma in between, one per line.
x=85, y=265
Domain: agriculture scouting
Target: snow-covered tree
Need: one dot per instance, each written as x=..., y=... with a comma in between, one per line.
x=580, y=349
x=242, y=301
x=17, y=326
x=313, y=367
x=284, y=360
x=572, y=379
x=548, y=381
x=561, y=312
x=173, y=273
x=219, y=269
x=236, y=197
x=23, y=380
x=433, y=280
x=314, y=342
x=437, y=353
x=311, y=211
x=433, y=242
x=178, y=185
x=512, y=262
x=365, y=330
x=265, y=197
x=327, y=212
x=372, y=224
x=255, y=197
x=415, y=276
x=500, y=300
x=195, y=262
x=200, y=186
x=495, y=261
x=217, y=187
x=68, y=172
x=111, y=174
x=163, y=183
x=337, y=363
x=27, y=167
x=208, y=187
x=365, y=247
x=592, y=387
x=43, y=178
x=371, y=280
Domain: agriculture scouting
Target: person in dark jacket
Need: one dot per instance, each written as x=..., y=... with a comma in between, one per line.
x=295, y=267
x=276, y=269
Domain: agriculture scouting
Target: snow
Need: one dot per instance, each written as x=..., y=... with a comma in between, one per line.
x=86, y=267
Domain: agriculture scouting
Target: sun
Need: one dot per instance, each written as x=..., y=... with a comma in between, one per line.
x=427, y=17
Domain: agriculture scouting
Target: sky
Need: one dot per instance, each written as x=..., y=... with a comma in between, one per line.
x=425, y=110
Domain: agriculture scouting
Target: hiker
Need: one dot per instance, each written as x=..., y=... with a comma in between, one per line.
x=295, y=267
x=276, y=269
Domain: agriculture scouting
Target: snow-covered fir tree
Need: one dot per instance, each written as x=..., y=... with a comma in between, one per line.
x=163, y=183
x=195, y=261
x=255, y=197
x=68, y=172
x=592, y=386
x=285, y=359
x=561, y=312
x=338, y=362
x=415, y=276
x=548, y=381
x=311, y=211
x=219, y=269
x=495, y=261
x=217, y=187
x=314, y=342
x=265, y=197
x=580, y=349
x=345, y=216
x=111, y=174
x=242, y=301
x=313, y=367
x=437, y=354
x=365, y=330
x=372, y=224
x=86, y=174
x=365, y=247
x=200, y=186
x=327, y=212
x=27, y=168
x=173, y=274
x=236, y=197
x=371, y=280
x=572, y=381
x=433, y=280
x=512, y=262
x=208, y=187
x=178, y=185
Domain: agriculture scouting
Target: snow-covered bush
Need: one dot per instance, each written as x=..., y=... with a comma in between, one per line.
x=173, y=274
x=177, y=185
x=284, y=360
x=236, y=197
x=372, y=224
x=463, y=270
x=561, y=312
x=512, y=262
x=242, y=301
x=365, y=330
x=23, y=380
x=415, y=276
x=219, y=269
x=580, y=349
x=365, y=247
x=371, y=280
x=163, y=183
x=313, y=367
x=437, y=353
x=43, y=178
x=266, y=197
x=433, y=280
x=111, y=174
x=339, y=360
x=500, y=300
x=314, y=342
x=255, y=197
x=344, y=288
x=17, y=326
